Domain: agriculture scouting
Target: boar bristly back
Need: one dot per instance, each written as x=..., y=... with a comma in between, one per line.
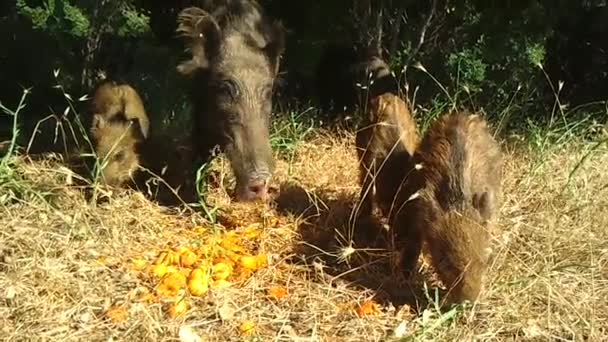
x=452, y=202
x=235, y=59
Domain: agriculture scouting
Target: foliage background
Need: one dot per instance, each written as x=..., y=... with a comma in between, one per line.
x=508, y=58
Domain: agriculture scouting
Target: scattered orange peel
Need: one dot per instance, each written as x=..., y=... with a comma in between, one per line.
x=253, y=262
x=277, y=292
x=158, y=271
x=247, y=328
x=367, y=308
x=221, y=271
x=188, y=258
x=117, y=313
x=138, y=264
x=198, y=285
x=217, y=261
x=178, y=308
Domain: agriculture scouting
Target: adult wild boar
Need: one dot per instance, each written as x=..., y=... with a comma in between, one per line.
x=451, y=202
x=235, y=52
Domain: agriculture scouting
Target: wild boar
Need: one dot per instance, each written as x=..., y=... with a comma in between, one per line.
x=115, y=100
x=385, y=141
x=235, y=51
x=117, y=146
x=118, y=125
x=451, y=202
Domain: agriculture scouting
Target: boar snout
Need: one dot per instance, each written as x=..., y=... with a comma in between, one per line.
x=254, y=188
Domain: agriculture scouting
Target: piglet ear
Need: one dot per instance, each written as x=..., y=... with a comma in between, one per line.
x=201, y=34
x=98, y=123
x=484, y=203
x=136, y=128
x=276, y=45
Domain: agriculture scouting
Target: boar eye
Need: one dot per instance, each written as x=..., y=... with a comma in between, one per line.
x=119, y=156
x=228, y=88
x=267, y=91
x=234, y=120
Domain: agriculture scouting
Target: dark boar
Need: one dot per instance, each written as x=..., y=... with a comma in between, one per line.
x=348, y=76
x=118, y=125
x=451, y=202
x=235, y=58
x=386, y=141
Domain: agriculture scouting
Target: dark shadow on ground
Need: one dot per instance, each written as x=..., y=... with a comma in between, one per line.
x=167, y=173
x=324, y=232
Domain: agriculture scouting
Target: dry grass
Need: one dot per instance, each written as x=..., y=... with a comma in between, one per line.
x=548, y=281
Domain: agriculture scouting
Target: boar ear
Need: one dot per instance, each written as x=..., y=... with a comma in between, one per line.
x=484, y=203
x=98, y=123
x=276, y=45
x=137, y=129
x=201, y=34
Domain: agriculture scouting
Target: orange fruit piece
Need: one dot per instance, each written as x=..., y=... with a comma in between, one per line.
x=199, y=285
x=262, y=259
x=117, y=313
x=232, y=246
x=249, y=262
x=277, y=292
x=138, y=264
x=178, y=308
x=185, y=272
x=198, y=273
x=187, y=258
x=182, y=249
x=253, y=262
x=175, y=281
x=369, y=307
x=158, y=270
x=224, y=260
x=221, y=271
x=163, y=290
x=251, y=231
x=247, y=328
x=172, y=269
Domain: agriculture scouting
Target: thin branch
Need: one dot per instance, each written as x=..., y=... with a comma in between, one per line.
x=425, y=27
x=396, y=29
x=379, y=32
